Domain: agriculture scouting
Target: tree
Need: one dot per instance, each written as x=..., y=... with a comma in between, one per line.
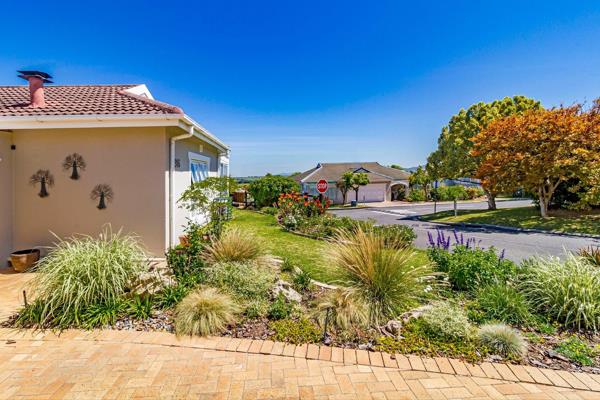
x=266, y=190
x=421, y=179
x=345, y=184
x=538, y=150
x=455, y=193
x=358, y=180
x=396, y=166
x=453, y=158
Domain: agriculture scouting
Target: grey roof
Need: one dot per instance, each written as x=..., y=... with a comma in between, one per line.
x=332, y=172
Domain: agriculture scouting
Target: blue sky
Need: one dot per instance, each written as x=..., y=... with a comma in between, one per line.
x=289, y=84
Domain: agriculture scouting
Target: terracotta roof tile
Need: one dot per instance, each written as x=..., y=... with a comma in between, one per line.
x=81, y=100
x=332, y=172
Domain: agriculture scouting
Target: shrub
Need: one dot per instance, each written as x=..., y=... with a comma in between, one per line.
x=501, y=302
x=567, y=291
x=385, y=279
x=473, y=268
x=302, y=281
x=139, y=307
x=267, y=189
x=269, y=210
x=416, y=195
x=287, y=265
x=503, y=340
x=280, y=308
x=447, y=321
x=396, y=236
x=474, y=192
x=84, y=271
x=171, y=295
x=304, y=206
x=577, y=350
x=591, y=255
x=234, y=245
x=256, y=309
x=295, y=332
x=342, y=308
x=241, y=280
x=204, y=312
x=186, y=260
x=102, y=314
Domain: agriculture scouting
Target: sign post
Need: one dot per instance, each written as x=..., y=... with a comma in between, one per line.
x=435, y=185
x=322, y=188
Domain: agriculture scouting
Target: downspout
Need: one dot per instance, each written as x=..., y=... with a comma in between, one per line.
x=174, y=139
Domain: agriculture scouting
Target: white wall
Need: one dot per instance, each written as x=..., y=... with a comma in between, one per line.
x=6, y=197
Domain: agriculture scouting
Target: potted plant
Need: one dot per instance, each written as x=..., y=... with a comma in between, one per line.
x=22, y=260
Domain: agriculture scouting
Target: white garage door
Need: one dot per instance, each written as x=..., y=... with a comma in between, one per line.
x=371, y=194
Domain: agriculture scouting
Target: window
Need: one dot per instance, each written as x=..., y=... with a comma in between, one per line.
x=199, y=167
x=224, y=169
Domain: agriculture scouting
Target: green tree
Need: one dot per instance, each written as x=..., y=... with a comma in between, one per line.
x=266, y=190
x=345, y=184
x=358, y=180
x=396, y=166
x=420, y=178
x=452, y=159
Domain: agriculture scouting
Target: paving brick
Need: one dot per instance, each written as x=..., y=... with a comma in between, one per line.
x=556, y=379
x=416, y=363
x=266, y=347
x=312, y=352
x=505, y=372
x=324, y=353
x=375, y=358
x=521, y=373
x=255, y=346
x=350, y=356
x=300, y=350
x=362, y=357
x=337, y=354
x=403, y=362
x=388, y=361
x=444, y=365
x=430, y=364
x=277, y=348
x=459, y=367
x=289, y=350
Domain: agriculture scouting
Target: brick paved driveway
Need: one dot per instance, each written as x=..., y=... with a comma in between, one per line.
x=126, y=364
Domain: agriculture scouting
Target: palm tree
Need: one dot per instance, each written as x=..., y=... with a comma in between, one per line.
x=104, y=193
x=74, y=161
x=46, y=179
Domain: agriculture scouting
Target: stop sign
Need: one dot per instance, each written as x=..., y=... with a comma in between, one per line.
x=322, y=186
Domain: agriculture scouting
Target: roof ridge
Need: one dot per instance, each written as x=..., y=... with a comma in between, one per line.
x=82, y=85
x=166, y=106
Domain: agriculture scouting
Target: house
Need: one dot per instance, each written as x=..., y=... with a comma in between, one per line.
x=74, y=158
x=383, y=181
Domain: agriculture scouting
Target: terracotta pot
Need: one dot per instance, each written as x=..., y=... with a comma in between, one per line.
x=22, y=260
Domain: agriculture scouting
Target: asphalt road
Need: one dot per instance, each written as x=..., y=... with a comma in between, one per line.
x=517, y=246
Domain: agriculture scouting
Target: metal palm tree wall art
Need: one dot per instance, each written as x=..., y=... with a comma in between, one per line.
x=74, y=162
x=103, y=193
x=45, y=178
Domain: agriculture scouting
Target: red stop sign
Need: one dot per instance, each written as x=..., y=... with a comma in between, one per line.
x=322, y=186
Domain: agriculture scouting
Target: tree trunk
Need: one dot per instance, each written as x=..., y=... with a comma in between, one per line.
x=491, y=200
x=455, y=208
x=545, y=193
x=544, y=206
x=344, y=197
x=356, y=198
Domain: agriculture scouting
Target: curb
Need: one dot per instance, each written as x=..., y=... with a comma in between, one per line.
x=341, y=356
x=510, y=228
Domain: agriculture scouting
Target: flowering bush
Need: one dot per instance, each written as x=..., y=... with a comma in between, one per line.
x=297, y=205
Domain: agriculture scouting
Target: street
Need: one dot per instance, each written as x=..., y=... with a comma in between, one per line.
x=518, y=246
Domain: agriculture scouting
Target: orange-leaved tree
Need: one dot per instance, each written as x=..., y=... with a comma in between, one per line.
x=538, y=149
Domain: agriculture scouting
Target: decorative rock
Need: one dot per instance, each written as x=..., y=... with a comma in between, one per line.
x=553, y=354
x=286, y=289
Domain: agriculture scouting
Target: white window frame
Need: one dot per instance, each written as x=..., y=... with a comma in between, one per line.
x=197, y=158
x=223, y=160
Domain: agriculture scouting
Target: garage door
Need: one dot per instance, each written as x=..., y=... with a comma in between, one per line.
x=371, y=194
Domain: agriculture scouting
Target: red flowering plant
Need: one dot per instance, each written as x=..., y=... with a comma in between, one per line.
x=294, y=206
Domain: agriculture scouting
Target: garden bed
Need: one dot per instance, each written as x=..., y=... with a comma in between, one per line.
x=456, y=300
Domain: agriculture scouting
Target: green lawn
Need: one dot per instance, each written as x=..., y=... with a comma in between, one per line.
x=306, y=253
x=525, y=217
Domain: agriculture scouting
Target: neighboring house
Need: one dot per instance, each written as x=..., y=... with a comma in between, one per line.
x=384, y=181
x=144, y=152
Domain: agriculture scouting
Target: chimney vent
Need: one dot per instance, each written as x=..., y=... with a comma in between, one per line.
x=36, y=81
